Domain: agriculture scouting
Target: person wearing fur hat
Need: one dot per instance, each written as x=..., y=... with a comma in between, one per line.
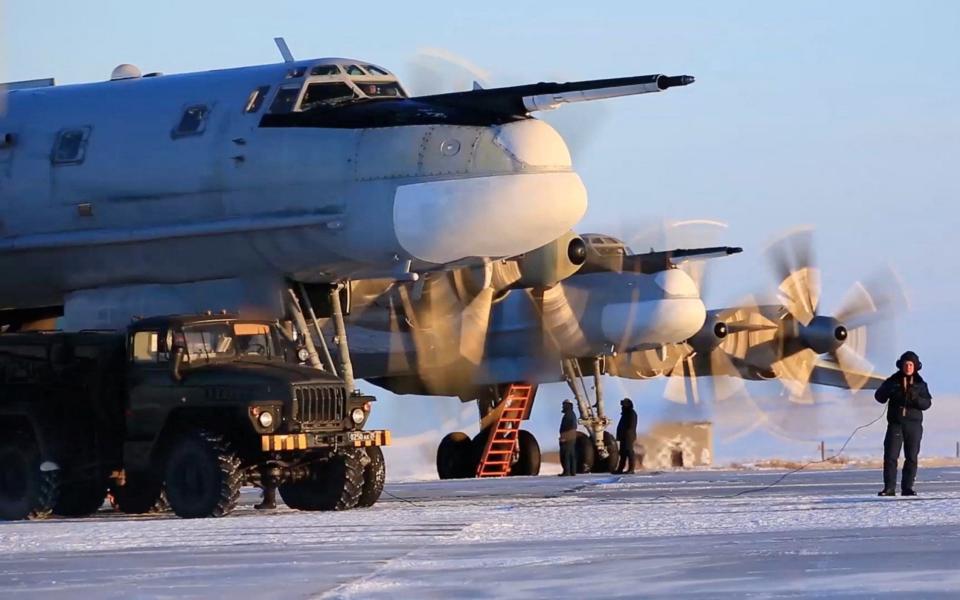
x=627, y=435
x=907, y=396
x=568, y=440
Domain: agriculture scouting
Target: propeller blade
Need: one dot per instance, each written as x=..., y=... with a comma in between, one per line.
x=676, y=388
x=560, y=322
x=876, y=299
x=475, y=322
x=683, y=377
x=791, y=418
x=437, y=71
x=856, y=369
x=726, y=378
x=794, y=372
x=792, y=261
x=736, y=415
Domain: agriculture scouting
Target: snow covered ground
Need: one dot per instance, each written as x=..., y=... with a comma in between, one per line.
x=682, y=534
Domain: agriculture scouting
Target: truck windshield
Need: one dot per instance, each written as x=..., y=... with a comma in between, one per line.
x=207, y=341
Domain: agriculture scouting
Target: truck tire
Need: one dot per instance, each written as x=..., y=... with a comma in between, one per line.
x=609, y=464
x=454, y=456
x=374, y=477
x=528, y=455
x=202, y=475
x=585, y=453
x=80, y=498
x=26, y=492
x=141, y=495
x=334, y=484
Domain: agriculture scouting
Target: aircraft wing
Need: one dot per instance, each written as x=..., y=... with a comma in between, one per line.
x=829, y=373
x=653, y=262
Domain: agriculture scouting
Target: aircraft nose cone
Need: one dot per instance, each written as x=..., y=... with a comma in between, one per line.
x=494, y=216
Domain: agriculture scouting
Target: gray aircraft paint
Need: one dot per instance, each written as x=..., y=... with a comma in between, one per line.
x=238, y=201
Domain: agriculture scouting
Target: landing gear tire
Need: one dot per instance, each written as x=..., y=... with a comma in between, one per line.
x=141, y=494
x=26, y=491
x=374, y=477
x=202, y=475
x=527, y=456
x=80, y=498
x=455, y=456
x=609, y=464
x=335, y=484
x=585, y=453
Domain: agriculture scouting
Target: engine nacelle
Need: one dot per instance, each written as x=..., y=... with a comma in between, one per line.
x=823, y=334
x=710, y=335
x=550, y=264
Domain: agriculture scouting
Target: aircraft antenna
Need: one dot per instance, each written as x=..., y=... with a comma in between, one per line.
x=284, y=49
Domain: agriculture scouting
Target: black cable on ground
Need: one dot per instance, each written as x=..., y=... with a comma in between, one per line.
x=812, y=462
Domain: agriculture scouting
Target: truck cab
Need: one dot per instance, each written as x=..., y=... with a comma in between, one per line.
x=189, y=409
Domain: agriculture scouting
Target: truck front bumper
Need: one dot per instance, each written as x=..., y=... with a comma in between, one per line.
x=308, y=441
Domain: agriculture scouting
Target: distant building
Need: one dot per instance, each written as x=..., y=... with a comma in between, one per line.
x=676, y=445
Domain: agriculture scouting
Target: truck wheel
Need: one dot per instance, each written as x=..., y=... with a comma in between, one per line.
x=142, y=494
x=80, y=498
x=528, y=455
x=26, y=492
x=374, y=476
x=331, y=485
x=454, y=456
x=609, y=464
x=585, y=453
x=292, y=495
x=203, y=476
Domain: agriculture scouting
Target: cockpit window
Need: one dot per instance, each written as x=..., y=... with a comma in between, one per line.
x=375, y=70
x=326, y=94
x=354, y=70
x=325, y=70
x=380, y=89
x=256, y=98
x=285, y=99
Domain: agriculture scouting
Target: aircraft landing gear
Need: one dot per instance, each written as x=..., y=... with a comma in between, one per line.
x=597, y=450
x=455, y=456
x=459, y=456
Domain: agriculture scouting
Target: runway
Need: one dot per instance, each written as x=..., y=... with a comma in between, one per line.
x=677, y=534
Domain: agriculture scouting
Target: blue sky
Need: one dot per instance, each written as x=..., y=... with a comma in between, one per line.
x=843, y=116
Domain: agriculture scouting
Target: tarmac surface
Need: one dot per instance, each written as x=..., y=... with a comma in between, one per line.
x=715, y=534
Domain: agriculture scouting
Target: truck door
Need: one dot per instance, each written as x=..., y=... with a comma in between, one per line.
x=149, y=384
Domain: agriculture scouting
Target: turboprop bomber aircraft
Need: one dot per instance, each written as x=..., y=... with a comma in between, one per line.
x=153, y=194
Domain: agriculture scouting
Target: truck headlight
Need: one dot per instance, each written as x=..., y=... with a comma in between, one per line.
x=303, y=355
x=265, y=419
x=358, y=415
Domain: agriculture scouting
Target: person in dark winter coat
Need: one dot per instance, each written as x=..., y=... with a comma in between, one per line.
x=627, y=436
x=568, y=440
x=907, y=396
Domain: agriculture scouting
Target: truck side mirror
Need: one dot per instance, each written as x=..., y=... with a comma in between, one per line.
x=177, y=345
x=175, y=361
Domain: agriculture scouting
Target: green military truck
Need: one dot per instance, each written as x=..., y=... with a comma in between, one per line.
x=179, y=411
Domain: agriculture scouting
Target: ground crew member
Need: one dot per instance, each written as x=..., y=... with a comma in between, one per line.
x=907, y=396
x=568, y=440
x=627, y=436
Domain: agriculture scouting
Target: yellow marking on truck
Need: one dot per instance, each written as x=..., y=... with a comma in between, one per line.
x=283, y=442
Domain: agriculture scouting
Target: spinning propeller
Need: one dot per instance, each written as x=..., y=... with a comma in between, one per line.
x=793, y=342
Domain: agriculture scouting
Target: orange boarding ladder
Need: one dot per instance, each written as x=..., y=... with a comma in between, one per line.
x=502, y=441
